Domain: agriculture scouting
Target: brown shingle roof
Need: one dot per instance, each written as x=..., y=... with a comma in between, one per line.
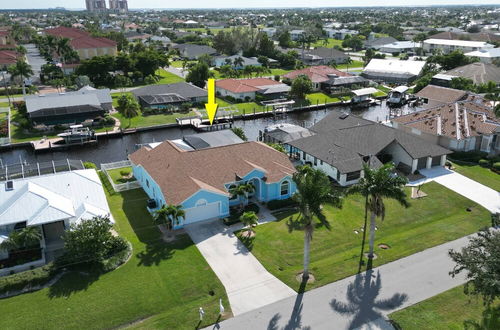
x=440, y=94
x=180, y=173
x=66, y=32
x=317, y=74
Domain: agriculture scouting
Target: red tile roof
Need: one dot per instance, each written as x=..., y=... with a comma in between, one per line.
x=317, y=74
x=8, y=57
x=181, y=173
x=66, y=32
x=90, y=42
x=4, y=33
x=245, y=85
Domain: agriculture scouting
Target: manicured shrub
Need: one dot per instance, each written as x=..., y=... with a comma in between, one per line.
x=484, y=163
x=496, y=167
x=125, y=172
x=469, y=156
x=34, y=277
x=281, y=203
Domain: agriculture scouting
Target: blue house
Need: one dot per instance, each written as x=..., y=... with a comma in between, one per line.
x=200, y=180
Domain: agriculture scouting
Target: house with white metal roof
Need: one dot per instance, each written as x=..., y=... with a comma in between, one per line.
x=393, y=71
x=486, y=55
x=52, y=203
x=447, y=46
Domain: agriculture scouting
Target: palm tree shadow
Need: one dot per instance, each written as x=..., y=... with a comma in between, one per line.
x=362, y=301
x=295, y=321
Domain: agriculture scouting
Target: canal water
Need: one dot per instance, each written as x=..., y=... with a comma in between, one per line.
x=116, y=149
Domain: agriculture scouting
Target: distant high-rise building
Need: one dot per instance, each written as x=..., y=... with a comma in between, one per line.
x=118, y=5
x=95, y=5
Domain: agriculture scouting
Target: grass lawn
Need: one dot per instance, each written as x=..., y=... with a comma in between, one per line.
x=430, y=221
x=164, y=284
x=249, y=107
x=331, y=43
x=320, y=98
x=480, y=174
x=449, y=310
x=167, y=77
x=354, y=64
x=142, y=121
x=117, y=177
x=379, y=94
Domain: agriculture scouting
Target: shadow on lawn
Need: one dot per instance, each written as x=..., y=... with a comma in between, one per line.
x=74, y=282
x=490, y=319
x=362, y=301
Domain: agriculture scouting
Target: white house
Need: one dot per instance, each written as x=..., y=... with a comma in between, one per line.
x=295, y=34
x=400, y=47
x=51, y=202
x=393, y=71
x=448, y=46
x=340, y=34
x=486, y=55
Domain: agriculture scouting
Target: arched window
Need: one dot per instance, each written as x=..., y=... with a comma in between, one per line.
x=285, y=187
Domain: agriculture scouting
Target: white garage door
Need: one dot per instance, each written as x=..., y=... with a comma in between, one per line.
x=202, y=211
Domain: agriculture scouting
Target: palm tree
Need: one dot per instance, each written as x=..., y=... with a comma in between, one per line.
x=377, y=185
x=22, y=239
x=162, y=216
x=128, y=107
x=347, y=62
x=21, y=50
x=313, y=190
x=21, y=69
x=242, y=190
x=169, y=215
x=238, y=61
x=63, y=48
x=249, y=219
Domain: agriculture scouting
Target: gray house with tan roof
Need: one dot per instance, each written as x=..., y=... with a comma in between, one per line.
x=342, y=143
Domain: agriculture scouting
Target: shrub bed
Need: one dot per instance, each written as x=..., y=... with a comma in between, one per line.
x=29, y=278
x=281, y=203
x=469, y=156
x=235, y=215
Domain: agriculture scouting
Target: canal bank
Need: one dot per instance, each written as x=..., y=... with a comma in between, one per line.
x=117, y=147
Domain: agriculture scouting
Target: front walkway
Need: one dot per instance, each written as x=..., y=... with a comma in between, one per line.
x=248, y=284
x=485, y=196
x=361, y=301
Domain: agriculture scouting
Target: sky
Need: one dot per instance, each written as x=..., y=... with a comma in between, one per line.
x=28, y=4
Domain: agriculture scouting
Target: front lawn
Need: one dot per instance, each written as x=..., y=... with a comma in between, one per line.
x=480, y=174
x=449, y=310
x=430, y=221
x=163, y=284
x=354, y=64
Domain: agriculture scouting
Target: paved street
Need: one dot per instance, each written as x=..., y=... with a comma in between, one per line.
x=485, y=196
x=248, y=284
x=361, y=301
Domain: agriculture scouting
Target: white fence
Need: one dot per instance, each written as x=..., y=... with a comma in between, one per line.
x=120, y=186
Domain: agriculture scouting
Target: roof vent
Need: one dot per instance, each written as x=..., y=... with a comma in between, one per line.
x=9, y=185
x=343, y=115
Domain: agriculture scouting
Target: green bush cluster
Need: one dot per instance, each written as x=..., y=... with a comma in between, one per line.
x=90, y=165
x=29, y=278
x=484, y=163
x=236, y=214
x=281, y=203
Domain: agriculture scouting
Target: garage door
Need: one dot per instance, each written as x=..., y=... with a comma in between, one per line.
x=203, y=211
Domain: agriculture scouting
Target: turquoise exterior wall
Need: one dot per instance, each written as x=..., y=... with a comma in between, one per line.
x=265, y=192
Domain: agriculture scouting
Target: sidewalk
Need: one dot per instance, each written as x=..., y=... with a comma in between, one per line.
x=360, y=301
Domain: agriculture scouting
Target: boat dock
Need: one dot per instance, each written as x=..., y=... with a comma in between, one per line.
x=57, y=144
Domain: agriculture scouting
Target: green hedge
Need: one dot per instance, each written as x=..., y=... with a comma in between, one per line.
x=281, y=203
x=496, y=166
x=19, y=281
x=236, y=214
x=468, y=156
x=484, y=163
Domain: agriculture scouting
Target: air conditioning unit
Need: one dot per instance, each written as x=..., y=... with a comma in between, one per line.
x=9, y=185
x=152, y=203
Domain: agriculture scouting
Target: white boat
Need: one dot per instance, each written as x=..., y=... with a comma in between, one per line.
x=77, y=133
x=397, y=96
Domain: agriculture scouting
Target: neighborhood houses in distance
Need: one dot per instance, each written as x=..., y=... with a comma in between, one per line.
x=267, y=166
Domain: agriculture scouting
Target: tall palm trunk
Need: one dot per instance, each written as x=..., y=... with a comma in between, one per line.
x=307, y=245
x=364, y=234
x=373, y=218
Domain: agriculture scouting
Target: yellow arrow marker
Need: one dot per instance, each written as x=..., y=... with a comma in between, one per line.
x=211, y=106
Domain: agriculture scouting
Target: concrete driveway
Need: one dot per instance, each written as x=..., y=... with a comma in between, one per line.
x=248, y=284
x=485, y=196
